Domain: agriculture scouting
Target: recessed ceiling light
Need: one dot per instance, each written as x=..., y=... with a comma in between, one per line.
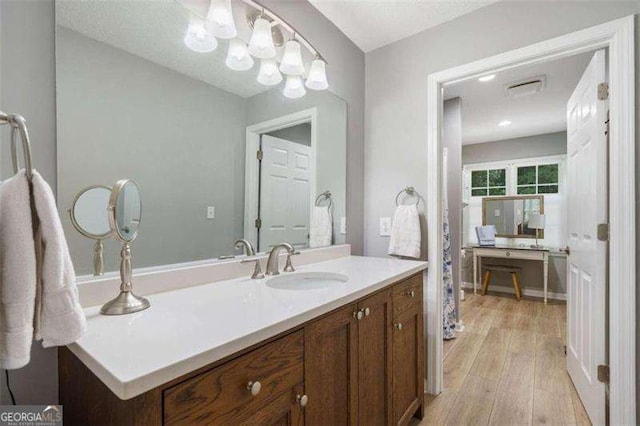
x=486, y=78
x=504, y=123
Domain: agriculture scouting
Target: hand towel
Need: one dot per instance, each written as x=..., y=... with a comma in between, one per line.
x=17, y=273
x=405, y=232
x=59, y=317
x=321, y=227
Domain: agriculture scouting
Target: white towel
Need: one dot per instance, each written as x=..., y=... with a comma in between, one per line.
x=321, y=227
x=405, y=232
x=17, y=273
x=59, y=317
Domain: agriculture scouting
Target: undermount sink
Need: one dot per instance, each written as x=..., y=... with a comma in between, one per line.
x=307, y=280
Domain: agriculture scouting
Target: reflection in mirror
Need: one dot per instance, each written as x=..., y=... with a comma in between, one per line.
x=134, y=100
x=88, y=214
x=510, y=215
x=128, y=211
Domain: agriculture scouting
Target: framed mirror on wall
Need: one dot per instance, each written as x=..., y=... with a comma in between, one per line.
x=512, y=216
x=135, y=100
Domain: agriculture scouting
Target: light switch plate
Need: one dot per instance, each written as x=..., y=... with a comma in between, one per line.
x=343, y=225
x=211, y=212
x=385, y=226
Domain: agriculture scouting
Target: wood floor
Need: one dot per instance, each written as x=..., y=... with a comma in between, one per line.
x=507, y=367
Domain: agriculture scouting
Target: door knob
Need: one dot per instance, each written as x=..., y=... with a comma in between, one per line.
x=302, y=400
x=254, y=387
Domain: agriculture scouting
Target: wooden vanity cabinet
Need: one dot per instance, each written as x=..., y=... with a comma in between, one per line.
x=362, y=364
x=408, y=351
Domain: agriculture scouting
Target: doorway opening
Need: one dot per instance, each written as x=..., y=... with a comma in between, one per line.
x=617, y=38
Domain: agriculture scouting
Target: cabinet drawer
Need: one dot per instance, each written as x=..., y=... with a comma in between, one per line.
x=513, y=254
x=220, y=396
x=407, y=294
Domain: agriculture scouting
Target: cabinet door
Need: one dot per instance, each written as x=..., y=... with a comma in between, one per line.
x=331, y=369
x=283, y=410
x=374, y=349
x=408, y=365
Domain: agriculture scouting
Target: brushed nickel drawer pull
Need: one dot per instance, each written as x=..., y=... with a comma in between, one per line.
x=254, y=387
x=411, y=293
x=302, y=400
x=398, y=325
x=508, y=253
x=358, y=314
x=367, y=312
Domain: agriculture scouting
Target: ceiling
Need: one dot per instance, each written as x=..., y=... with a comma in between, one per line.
x=484, y=105
x=371, y=24
x=154, y=30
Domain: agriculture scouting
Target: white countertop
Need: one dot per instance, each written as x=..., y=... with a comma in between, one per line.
x=189, y=328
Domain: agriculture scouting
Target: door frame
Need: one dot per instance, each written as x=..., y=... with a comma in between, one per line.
x=251, y=172
x=618, y=37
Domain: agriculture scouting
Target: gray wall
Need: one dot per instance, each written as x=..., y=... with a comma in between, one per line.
x=509, y=149
x=27, y=80
x=331, y=161
x=396, y=107
x=452, y=140
x=175, y=136
x=300, y=134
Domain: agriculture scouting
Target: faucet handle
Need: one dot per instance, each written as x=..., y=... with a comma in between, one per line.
x=257, y=270
x=288, y=267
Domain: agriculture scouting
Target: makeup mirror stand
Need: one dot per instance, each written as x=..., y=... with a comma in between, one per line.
x=98, y=258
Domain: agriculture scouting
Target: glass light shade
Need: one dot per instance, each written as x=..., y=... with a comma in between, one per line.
x=317, y=79
x=198, y=38
x=220, y=21
x=294, y=88
x=536, y=221
x=292, y=59
x=261, y=43
x=238, y=58
x=269, y=74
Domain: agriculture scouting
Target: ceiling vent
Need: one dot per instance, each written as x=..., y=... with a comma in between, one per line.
x=525, y=87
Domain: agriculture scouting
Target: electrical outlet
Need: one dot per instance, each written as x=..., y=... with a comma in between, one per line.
x=385, y=226
x=211, y=212
x=343, y=225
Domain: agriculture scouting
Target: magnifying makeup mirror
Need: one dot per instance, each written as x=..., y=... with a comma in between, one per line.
x=125, y=214
x=89, y=216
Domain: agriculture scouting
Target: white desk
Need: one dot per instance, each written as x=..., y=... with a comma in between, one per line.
x=510, y=252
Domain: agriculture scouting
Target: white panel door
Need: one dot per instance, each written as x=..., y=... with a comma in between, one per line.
x=587, y=207
x=285, y=193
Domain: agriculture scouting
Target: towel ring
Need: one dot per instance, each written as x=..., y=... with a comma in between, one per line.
x=327, y=195
x=18, y=123
x=410, y=190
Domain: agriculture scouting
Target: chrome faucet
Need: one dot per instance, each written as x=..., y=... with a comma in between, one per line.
x=273, y=268
x=246, y=245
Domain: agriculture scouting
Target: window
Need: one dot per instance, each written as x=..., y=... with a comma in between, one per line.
x=541, y=179
x=488, y=182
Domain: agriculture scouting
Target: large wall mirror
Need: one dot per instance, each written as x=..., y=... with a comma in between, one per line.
x=217, y=155
x=511, y=215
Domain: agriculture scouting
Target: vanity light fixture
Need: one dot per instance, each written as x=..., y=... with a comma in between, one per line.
x=292, y=59
x=220, y=21
x=198, y=38
x=268, y=34
x=261, y=43
x=504, y=123
x=486, y=78
x=269, y=74
x=238, y=57
x=317, y=79
x=294, y=88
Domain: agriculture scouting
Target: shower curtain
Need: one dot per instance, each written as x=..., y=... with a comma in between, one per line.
x=449, y=308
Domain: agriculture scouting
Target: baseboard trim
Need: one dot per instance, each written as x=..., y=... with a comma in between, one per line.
x=525, y=291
